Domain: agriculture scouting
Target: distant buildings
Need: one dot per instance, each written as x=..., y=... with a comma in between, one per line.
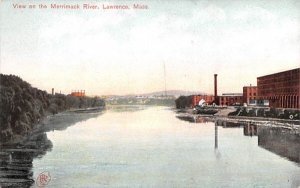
x=78, y=93
x=230, y=99
x=250, y=95
x=226, y=99
x=280, y=89
x=209, y=99
x=141, y=100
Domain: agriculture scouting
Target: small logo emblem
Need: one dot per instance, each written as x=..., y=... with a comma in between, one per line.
x=43, y=179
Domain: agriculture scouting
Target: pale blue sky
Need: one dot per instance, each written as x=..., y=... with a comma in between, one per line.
x=121, y=52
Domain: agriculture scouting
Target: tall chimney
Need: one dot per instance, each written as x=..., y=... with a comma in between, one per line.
x=216, y=86
x=52, y=91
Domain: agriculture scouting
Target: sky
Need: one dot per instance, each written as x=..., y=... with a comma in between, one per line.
x=122, y=52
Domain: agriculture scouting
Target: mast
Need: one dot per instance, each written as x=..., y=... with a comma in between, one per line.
x=165, y=79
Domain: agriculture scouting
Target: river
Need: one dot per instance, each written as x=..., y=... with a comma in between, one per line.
x=150, y=147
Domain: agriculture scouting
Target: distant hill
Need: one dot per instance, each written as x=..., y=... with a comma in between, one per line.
x=173, y=92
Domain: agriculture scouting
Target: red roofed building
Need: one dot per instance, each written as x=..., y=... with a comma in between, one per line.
x=78, y=93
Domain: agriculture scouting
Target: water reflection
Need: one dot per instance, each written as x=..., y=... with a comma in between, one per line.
x=281, y=141
x=228, y=124
x=194, y=119
x=250, y=129
x=216, y=135
x=284, y=142
x=217, y=151
x=152, y=148
x=125, y=108
x=16, y=160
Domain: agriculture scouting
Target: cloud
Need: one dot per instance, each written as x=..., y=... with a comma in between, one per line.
x=254, y=14
x=209, y=14
x=111, y=49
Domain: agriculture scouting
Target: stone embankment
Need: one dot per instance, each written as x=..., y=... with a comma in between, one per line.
x=266, y=112
x=22, y=106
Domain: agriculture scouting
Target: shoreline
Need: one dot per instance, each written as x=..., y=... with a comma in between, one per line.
x=222, y=116
x=58, y=122
x=23, y=107
x=24, y=149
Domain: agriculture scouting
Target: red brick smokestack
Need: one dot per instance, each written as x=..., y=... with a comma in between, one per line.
x=216, y=88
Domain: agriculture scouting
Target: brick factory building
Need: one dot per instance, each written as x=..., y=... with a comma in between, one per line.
x=250, y=95
x=227, y=99
x=230, y=99
x=209, y=99
x=281, y=89
x=78, y=93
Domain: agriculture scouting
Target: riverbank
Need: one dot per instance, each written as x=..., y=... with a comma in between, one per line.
x=23, y=107
x=224, y=115
x=60, y=121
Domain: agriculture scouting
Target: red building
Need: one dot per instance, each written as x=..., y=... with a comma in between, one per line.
x=230, y=99
x=78, y=93
x=249, y=94
x=196, y=98
x=281, y=89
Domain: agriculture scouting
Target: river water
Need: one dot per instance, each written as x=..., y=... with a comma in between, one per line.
x=150, y=147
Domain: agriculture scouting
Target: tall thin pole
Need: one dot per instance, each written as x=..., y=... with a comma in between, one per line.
x=216, y=88
x=165, y=79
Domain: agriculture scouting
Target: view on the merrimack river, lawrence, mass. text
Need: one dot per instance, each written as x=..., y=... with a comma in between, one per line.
x=140, y=93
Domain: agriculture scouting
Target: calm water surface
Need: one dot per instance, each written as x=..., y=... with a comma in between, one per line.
x=153, y=148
